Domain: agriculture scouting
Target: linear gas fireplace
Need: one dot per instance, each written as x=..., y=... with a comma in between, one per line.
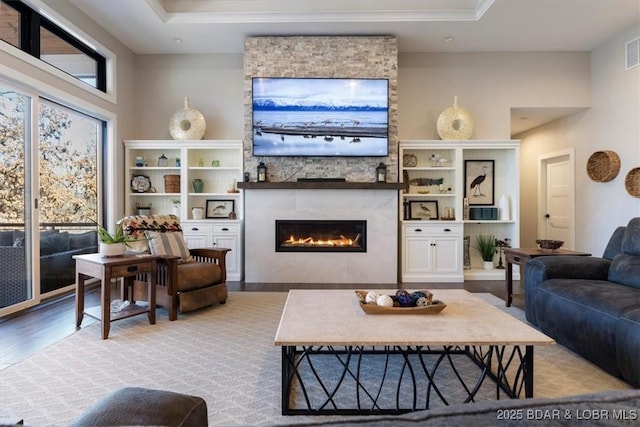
x=321, y=236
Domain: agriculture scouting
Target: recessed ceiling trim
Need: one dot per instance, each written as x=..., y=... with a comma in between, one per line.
x=239, y=12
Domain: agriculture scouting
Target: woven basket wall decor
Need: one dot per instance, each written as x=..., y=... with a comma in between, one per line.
x=632, y=182
x=172, y=183
x=603, y=166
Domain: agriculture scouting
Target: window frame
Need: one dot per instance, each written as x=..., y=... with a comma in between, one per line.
x=30, y=24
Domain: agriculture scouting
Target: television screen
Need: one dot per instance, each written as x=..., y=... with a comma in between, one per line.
x=320, y=117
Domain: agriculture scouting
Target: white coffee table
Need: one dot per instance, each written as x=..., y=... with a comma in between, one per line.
x=338, y=360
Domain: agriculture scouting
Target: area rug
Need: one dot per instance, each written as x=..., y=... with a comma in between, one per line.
x=224, y=354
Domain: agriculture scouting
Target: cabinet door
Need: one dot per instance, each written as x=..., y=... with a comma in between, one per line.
x=417, y=255
x=229, y=241
x=197, y=235
x=446, y=254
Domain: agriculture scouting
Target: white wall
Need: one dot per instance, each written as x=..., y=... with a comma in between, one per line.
x=488, y=85
x=612, y=123
x=213, y=83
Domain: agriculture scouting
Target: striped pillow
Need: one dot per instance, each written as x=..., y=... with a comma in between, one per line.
x=172, y=244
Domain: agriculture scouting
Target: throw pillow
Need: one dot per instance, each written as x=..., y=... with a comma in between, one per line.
x=172, y=244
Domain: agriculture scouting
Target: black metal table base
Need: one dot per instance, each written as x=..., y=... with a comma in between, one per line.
x=358, y=380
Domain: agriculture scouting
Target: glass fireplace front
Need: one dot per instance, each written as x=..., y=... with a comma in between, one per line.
x=321, y=236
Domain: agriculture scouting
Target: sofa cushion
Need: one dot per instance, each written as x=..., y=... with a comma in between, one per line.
x=88, y=239
x=631, y=239
x=196, y=275
x=628, y=346
x=172, y=244
x=625, y=270
x=565, y=306
x=54, y=243
x=614, y=247
x=6, y=238
x=136, y=225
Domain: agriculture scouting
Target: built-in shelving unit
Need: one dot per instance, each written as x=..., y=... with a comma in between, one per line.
x=217, y=163
x=432, y=207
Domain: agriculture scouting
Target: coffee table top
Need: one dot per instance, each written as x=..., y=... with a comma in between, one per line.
x=334, y=317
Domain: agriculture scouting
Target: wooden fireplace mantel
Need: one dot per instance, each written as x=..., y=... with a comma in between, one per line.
x=320, y=185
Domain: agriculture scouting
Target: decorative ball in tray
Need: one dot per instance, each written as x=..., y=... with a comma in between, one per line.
x=403, y=302
x=549, y=244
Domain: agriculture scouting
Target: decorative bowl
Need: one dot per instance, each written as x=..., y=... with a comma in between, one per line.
x=435, y=308
x=549, y=244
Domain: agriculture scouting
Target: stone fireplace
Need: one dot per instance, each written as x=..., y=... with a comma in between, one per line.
x=321, y=235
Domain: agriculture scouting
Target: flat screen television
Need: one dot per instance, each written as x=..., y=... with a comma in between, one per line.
x=320, y=117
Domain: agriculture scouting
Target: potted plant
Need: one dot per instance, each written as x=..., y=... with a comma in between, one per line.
x=113, y=244
x=175, y=206
x=486, y=245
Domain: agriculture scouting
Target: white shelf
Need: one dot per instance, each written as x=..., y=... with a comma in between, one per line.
x=505, y=155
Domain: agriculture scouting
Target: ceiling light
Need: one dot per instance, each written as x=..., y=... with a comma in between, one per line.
x=177, y=40
x=448, y=39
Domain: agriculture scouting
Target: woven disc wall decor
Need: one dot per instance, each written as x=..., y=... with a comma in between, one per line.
x=603, y=166
x=632, y=182
x=455, y=123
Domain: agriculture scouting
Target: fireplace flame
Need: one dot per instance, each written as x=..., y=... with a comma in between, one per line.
x=310, y=241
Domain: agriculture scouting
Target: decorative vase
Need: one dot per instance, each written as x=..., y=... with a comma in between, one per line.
x=503, y=205
x=188, y=123
x=108, y=250
x=198, y=185
x=487, y=265
x=467, y=257
x=175, y=210
x=198, y=213
x=455, y=123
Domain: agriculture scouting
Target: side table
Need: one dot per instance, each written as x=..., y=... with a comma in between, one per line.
x=105, y=269
x=520, y=256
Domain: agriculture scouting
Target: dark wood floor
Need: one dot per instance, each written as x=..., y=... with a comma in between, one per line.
x=34, y=329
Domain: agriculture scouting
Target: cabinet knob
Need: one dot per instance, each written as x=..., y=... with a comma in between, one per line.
x=418, y=230
x=225, y=229
x=433, y=244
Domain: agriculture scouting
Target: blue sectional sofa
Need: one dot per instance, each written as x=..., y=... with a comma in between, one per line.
x=592, y=305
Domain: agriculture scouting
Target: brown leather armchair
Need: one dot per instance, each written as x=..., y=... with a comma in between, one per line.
x=187, y=279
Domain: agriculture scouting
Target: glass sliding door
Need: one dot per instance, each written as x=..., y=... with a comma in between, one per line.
x=15, y=208
x=68, y=148
x=50, y=159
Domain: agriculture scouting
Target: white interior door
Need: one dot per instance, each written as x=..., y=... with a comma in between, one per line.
x=557, y=198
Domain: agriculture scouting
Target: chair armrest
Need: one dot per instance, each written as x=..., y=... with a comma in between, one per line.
x=539, y=269
x=215, y=255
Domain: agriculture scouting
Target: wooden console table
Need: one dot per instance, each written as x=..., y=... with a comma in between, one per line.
x=520, y=256
x=105, y=269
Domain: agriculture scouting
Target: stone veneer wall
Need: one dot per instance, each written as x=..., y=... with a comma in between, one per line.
x=322, y=56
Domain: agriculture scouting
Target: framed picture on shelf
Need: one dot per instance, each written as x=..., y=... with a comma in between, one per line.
x=219, y=208
x=479, y=180
x=423, y=210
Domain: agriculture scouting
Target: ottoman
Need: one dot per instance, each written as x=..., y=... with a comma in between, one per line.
x=144, y=407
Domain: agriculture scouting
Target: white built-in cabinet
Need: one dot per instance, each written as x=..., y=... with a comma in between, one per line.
x=432, y=207
x=217, y=163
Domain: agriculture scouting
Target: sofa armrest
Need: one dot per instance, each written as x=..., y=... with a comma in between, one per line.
x=539, y=269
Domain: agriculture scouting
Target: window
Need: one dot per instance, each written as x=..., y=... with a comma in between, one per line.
x=33, y=33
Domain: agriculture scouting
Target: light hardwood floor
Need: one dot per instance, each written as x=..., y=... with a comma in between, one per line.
x=32, y=330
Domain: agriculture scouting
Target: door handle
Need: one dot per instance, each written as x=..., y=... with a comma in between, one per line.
x=195, y=229
x=418, y=230
x=225, y=229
